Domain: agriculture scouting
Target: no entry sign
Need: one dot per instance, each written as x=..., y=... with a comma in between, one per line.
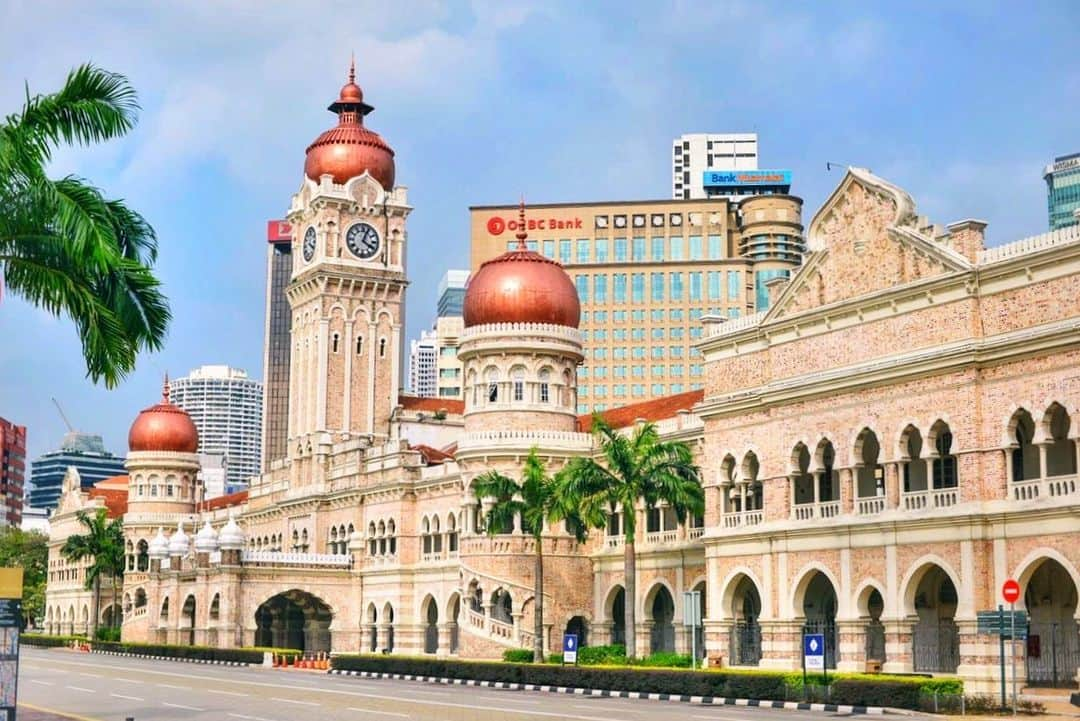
x=1010, y=591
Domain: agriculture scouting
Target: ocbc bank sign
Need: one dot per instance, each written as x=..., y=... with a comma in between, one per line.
x=497, y=225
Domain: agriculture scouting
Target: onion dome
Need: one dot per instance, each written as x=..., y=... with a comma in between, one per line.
x=206, y=540
x=231, y=537
x=159, y=545
x=178, y=542
x=164, y=427
x=347, y=150
x=521, y=286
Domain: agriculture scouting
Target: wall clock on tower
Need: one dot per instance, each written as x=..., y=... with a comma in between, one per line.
x=362, y=240
x=309, y=244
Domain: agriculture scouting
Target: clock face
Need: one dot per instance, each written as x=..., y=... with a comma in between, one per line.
x=362, y=240
x=309, y=243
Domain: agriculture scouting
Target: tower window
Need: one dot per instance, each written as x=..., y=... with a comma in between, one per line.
x=359, y=345
x=334, y=342
x=493, y=392
x=382, y=347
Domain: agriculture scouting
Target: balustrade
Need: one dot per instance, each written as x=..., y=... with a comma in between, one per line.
x=741, y=519
x=930, y=499
x=870, y=506
x=1052, y=487
x=275, y=558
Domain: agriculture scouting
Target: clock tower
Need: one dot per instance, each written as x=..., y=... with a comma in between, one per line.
x=347, y=291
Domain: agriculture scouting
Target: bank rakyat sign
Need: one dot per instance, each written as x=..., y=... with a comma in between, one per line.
x=497, y=225
x=729, y=178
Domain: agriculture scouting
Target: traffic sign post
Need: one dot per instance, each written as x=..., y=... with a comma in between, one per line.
x=569, y=648
x=692, y=618
x=1010, y=591
x=814, y=656
x=10, y=623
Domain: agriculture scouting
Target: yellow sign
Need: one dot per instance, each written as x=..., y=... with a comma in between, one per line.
x=11, y=582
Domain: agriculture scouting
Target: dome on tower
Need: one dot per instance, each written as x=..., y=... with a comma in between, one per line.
x=347, y=150
x=231, y=537
x=206, y=540
x=179, y=543
x=521, y=286
x=159, y=546
x=164, y=427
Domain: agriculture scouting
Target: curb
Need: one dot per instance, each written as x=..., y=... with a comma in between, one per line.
x=677, y=698
x=174, y=658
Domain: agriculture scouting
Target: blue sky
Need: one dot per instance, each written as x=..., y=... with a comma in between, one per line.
x=959, y=103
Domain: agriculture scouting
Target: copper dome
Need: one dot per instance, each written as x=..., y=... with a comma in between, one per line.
x=521, y=286
x=349, y=149
x=163, y=427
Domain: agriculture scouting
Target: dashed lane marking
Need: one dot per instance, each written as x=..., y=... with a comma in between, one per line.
x=180, y=705
x=380, y=713
x=129, y=698
x=80, y=688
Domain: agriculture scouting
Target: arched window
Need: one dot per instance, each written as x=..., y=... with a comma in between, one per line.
x=303, y=541
x=436, y=535
x=451, y=533
x=869, y=474
x=517, y=377
x=545, y=386
x=391, y=531
x=914, y=467
x=373, y=543
x=425, y=534
x=359, y=345
x=1025, y=456
x=382, y=347
x=493, y=386
x=382, y=538
x=334, y=342
x=142, y=561
x=1061, y=450
x=944, y=463
x=295, y=540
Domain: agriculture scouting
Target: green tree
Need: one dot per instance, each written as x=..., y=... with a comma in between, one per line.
x=28, y=550
x=65, y=246
x=539, y=502
x=103, y=546
x=632, y=468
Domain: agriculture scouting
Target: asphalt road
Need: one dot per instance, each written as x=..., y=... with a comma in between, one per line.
x=109, y=688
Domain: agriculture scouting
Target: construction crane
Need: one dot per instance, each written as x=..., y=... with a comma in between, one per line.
x=66, y=421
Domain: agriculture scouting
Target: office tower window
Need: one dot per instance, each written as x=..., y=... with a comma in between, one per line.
x=639, y=248
x=600, y=334
x=600, y=288
x=600, y=391
x=583, y=372
x=677, y=333
x=637, y=353
x=620, y=250
x=677, y=387
x=677, y=247
x=658, y=352
x=549, y=249
x=600, y=316
x=656, y=282
x=695, y=332
x=639, y=371
x=584, y=316
x=658, y=370
x=618, y=334
x=733, y=284
x=695, y=285
x=675, y=351
x=638, y=389
x=602, y=372
x=714, y=285
x=564, y=251
x=618, y=316
x=620, y=287
x=582, y=283
x=583, y=250
x=695, y=314
x=618, y=390
x=761, y=277
x=733, y=313
x=585, y=335
x=658, y=389
x=601, y=250
x=637, y=334
x=583, y=391
x=638, y=316
x=695, y=371
x=600, y=353
x=716, y=247
x=695, y=247
x=619, y=371
x=676, y=286
x=675, y=314
x=695, y=353
x=619, y=353
x=657, y=243
x=638, y=291
x=657, y=333
x=531, y=245
x=676, y=371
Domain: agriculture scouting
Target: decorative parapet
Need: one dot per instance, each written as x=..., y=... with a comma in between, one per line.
x=491, y=330
x=1033, y=244
x=567, y=440
x=683, y=421
x=443, y=470
x=735, y=324
x=274, y=558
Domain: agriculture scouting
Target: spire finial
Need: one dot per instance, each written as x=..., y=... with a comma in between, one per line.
x=352, y=67
x=165, y=389
x=521, y=234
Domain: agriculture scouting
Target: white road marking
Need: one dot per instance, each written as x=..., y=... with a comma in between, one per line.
x=290, y=700
x=129, y=698
x=43, y=683
x=95, y=675
x=251, y=718
x=169, y=685
x=80, y=688
x=380, y=713
x=227, y=693
x=180, y=705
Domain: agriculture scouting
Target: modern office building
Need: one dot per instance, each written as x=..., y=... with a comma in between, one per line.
x=83, y=451
x=227, y=408
x=452, y=292
x=1063, y=191
x=448, y=332
x=422, y=355
x=646, y=272
x=276, y=358
x=12, y=472
x=694, y=154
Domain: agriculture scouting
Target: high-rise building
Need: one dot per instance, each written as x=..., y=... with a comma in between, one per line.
x=422, y=355
x=1063, y=191
x=447, y=365
x=226, y=407
x=646, y=272
x=86, y=452
x=452, y=292
x=12, y=472
x=694, y=154
x=276, y=357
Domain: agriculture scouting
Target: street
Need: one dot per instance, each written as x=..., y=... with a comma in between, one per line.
x=108, y=688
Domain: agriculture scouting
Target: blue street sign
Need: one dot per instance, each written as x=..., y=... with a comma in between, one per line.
x=569, y=648
x=814, y=651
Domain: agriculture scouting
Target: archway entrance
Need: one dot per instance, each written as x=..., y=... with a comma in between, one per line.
x=431, y=627
x=936, y=637
x=745, y=647
x=454, y=616
x=187, y=622
x=618, y=617
x=699, y=630
x=819, y=608
x=1053, y=647
x=875, y=629
x=580, y=628
x=294, y=619
x=662, y=637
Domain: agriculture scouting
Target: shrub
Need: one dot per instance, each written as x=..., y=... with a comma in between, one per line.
x=42, y=641
x=665, y=660
x=204, y=653
x=518, y=655
x=105, y=633
x=602, y=655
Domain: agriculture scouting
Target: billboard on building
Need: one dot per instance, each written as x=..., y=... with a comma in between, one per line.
x=278, y=231
x=733, y=178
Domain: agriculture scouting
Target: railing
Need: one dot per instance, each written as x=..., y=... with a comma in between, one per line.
x=734, y=325
x=870, y=506
x=824, y=509
x=433, y=556
x=930, y=499
x=1030, y=245
x=669, y=536
x=1053, y=487
x=695, y=533
x=741, y=519
x=613, y=541
x=273, y=558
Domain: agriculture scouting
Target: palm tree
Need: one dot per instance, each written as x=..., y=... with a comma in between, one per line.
x=64, y=246
x=635, y=467
x=537, y=499
x=103, y=545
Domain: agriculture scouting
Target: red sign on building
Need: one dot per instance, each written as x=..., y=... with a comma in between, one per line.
x=278, y=231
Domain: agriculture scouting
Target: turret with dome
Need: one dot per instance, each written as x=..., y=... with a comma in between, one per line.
x=162, y=459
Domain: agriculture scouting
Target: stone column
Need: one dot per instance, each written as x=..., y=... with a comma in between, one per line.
x=601, y=633
x=847, y=490
x=1042, y=459
x=644, y=637
x=892, y=485
x=851, y=645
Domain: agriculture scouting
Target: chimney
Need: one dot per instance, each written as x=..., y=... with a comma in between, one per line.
x=967, y=237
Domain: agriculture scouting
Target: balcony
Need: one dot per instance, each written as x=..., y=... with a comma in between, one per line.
x=657, y=537
x=1053, y=487
x=870, y=506
x=930, y=499
x=273, y=558
x=613, y=541
x=821, y=511
x=742, y=519
x=695, y=533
